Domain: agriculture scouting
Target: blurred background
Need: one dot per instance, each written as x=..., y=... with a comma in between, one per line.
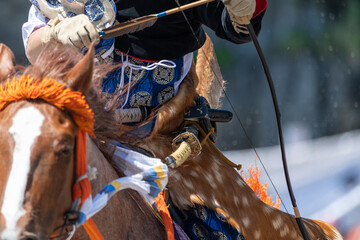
x=312, y=49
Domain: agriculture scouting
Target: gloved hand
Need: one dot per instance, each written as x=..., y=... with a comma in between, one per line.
x=240, y=11
x=76, y=31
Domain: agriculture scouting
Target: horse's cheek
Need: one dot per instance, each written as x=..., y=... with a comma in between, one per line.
x=5, y=164
x=6, y=155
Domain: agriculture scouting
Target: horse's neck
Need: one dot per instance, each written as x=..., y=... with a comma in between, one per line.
x=127, y=216
x=96, y=159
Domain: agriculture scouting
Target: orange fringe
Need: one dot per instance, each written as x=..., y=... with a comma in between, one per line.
x=92, y=230
x=252, y=179
x=81, y=189
x=52, y=92
x=165, y=215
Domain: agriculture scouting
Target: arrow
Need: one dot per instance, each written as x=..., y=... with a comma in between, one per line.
x=140, y=23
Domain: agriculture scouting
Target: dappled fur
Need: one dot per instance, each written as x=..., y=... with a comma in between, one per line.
x=208, y=180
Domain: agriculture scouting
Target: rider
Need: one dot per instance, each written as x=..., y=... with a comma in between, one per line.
x=158, y=58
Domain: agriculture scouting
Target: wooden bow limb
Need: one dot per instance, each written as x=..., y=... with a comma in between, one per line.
x=257, y=46
x=140, y=23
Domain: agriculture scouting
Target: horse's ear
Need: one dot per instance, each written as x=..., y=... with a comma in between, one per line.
x=80, y=76
x=7, y=62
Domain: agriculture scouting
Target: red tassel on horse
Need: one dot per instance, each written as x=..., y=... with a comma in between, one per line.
x=82, y=187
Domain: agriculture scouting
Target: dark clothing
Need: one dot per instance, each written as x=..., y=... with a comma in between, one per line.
x=171, y=37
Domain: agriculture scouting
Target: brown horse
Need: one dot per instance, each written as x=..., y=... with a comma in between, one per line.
x=37, y=168
x=42, y=192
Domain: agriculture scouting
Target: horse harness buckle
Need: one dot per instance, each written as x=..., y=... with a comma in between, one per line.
x=185, y=145
x=207, y=117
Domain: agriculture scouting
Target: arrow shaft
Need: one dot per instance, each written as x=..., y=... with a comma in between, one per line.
x=186, y=6
x=140, y=23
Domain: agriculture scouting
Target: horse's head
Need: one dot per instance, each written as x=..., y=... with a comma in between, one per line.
x=37, y=142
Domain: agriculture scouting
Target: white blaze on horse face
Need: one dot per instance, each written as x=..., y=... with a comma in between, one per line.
x=25, y=129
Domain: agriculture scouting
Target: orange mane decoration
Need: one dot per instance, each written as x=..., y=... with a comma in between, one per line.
x=52, y=92
x=252, y=179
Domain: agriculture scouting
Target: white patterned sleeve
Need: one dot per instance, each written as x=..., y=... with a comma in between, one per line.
x=35, y=21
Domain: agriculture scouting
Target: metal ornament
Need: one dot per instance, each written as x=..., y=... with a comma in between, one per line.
x=100, y=12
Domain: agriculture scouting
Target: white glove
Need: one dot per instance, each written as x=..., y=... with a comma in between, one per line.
x=76, y=31
x=240, y=11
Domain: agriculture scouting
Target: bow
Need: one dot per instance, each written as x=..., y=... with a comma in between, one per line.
x=280, y=132
x=278, y=121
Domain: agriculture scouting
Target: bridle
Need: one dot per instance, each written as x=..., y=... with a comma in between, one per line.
x=58, y=95
x=68, y=228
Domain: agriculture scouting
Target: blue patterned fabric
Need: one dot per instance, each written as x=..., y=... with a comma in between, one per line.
x=96, y=10
x=152, y=86
x=203, y=223
x=102, y=47
x=35, y=3
x=53, y=3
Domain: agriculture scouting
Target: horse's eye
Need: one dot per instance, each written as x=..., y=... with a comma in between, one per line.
x=64, y=145
x=66, y=150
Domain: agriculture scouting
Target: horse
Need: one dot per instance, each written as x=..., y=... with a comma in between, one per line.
x=45, y=195
x=37, y=163
x=209, y=180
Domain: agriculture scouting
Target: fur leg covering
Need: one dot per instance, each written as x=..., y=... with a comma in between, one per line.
x=170, y=115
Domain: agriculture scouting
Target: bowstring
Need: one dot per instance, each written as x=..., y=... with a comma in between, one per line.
x=233, y=109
